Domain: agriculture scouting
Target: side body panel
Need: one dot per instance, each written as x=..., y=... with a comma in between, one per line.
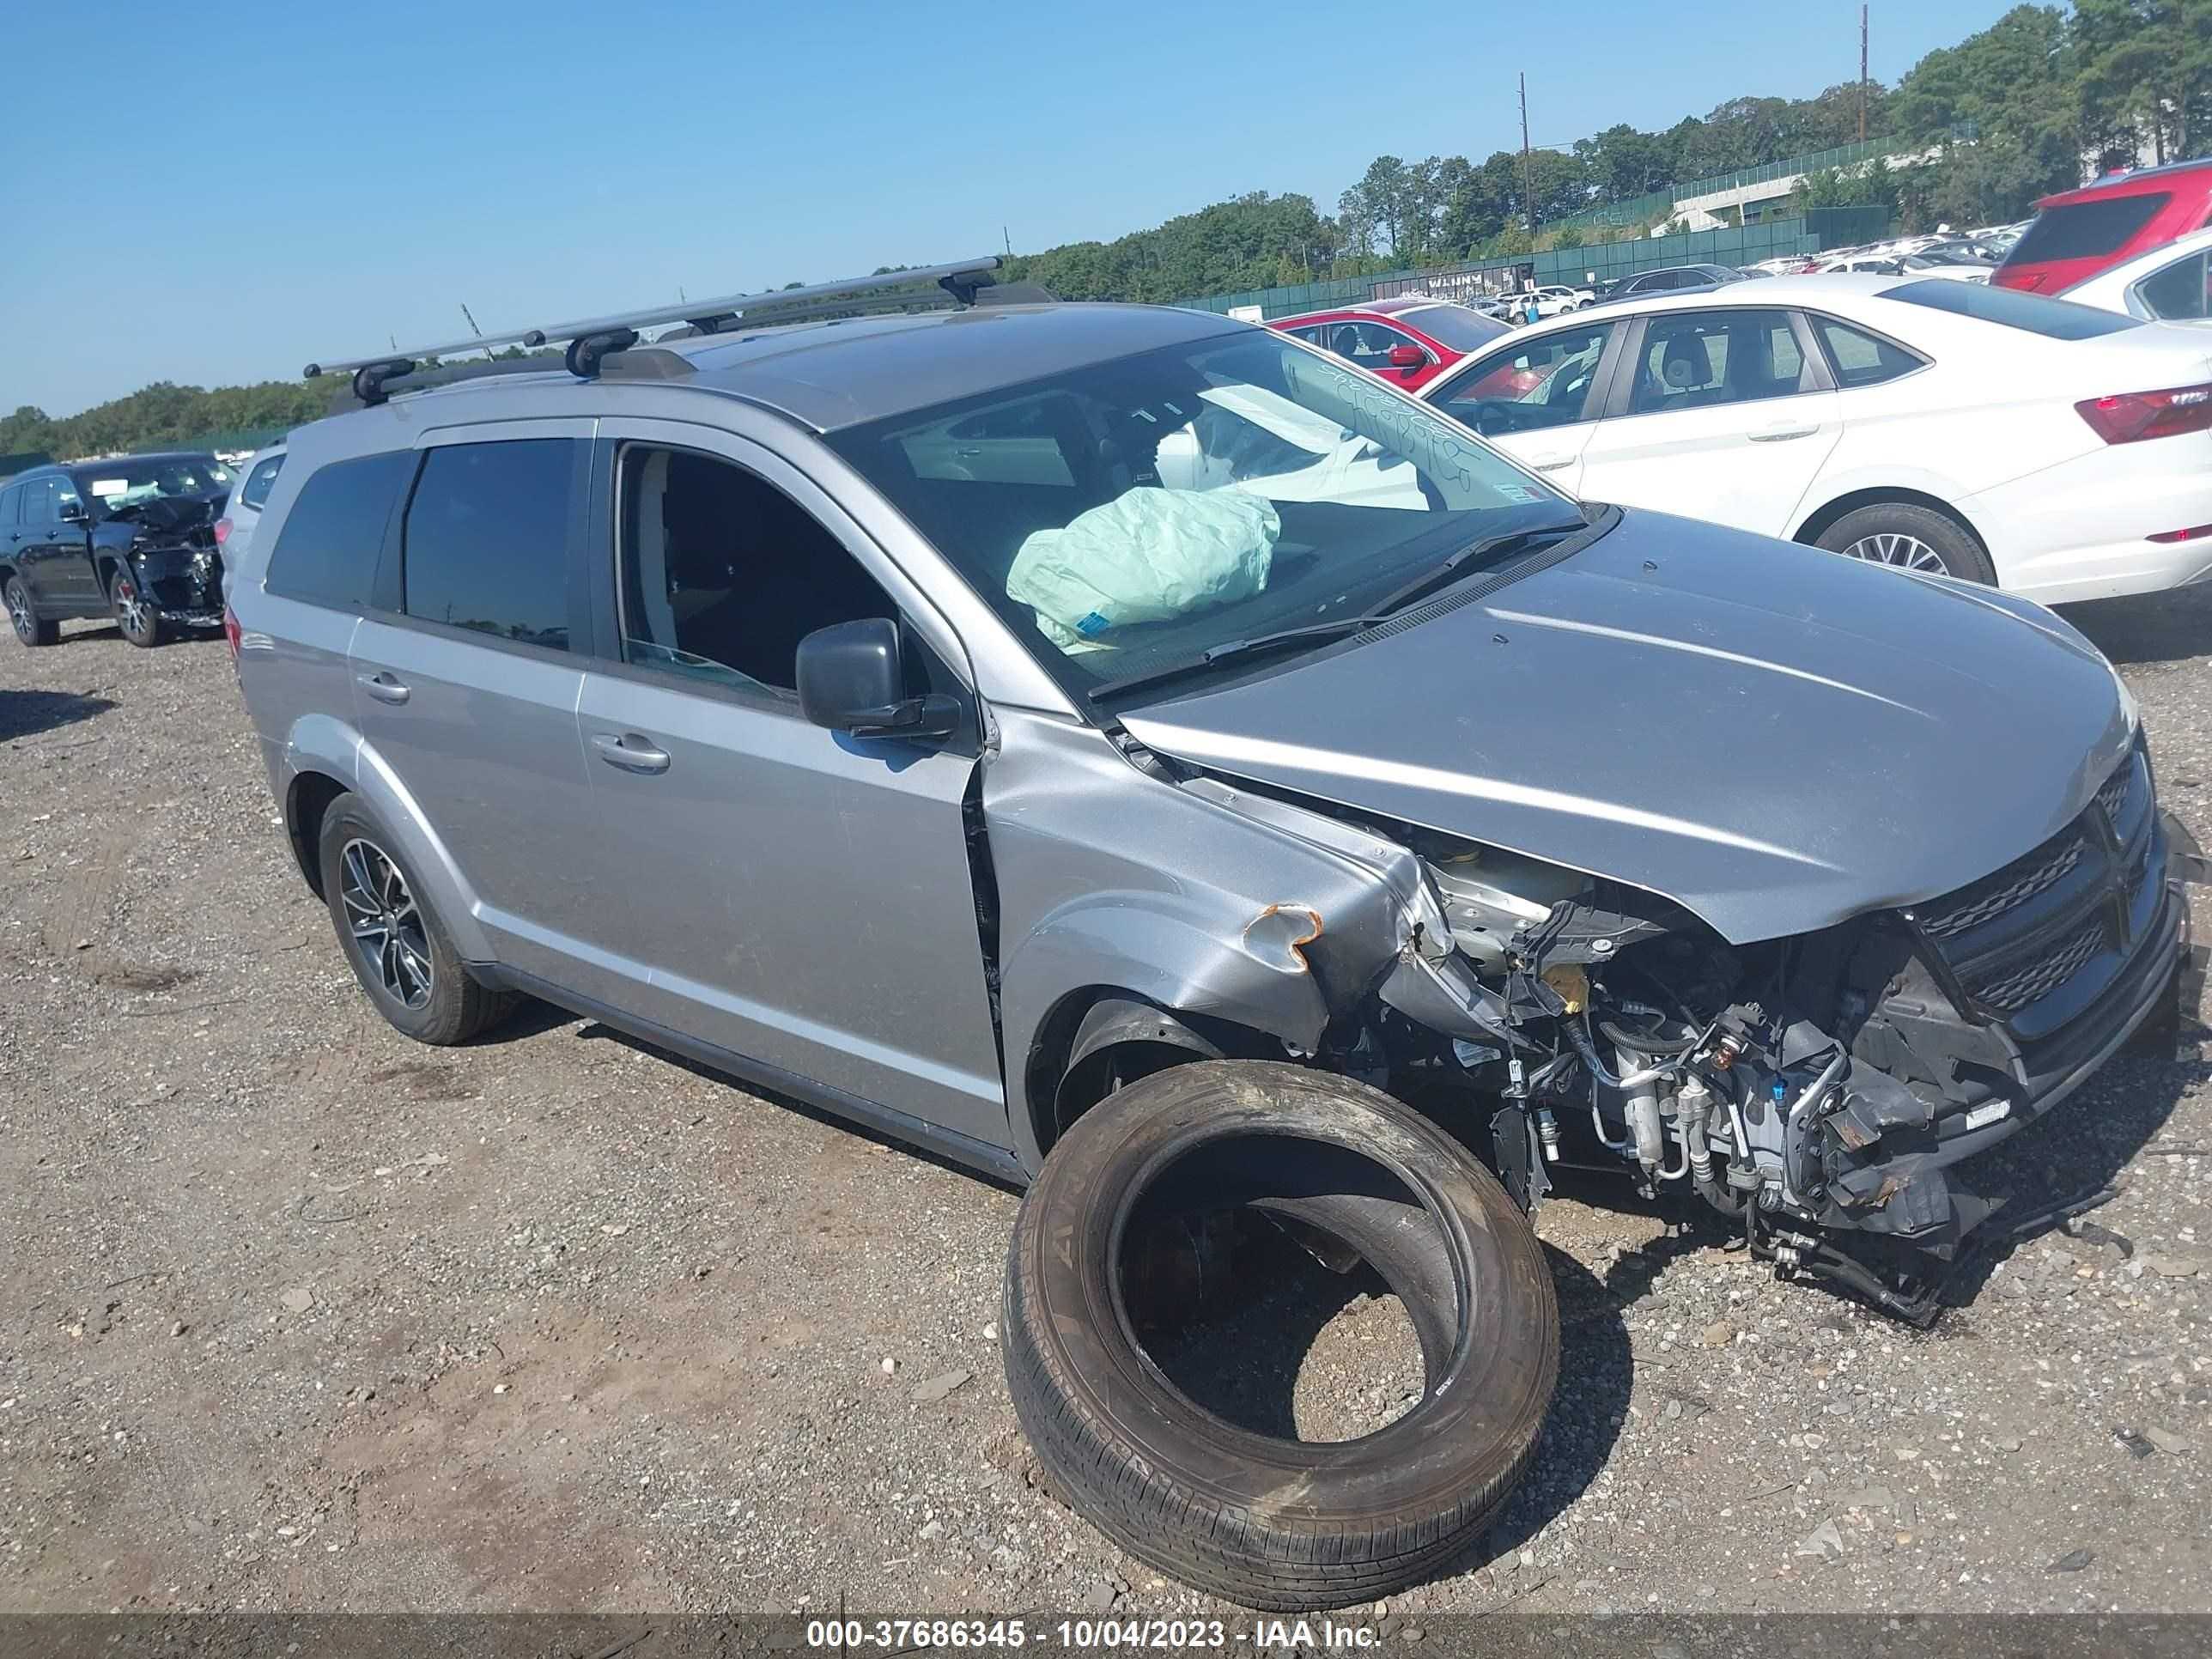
x=780, y=890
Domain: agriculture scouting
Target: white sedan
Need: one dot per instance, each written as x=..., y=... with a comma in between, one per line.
x=2171, y=283
x=2058, y=452
x=1555, y=298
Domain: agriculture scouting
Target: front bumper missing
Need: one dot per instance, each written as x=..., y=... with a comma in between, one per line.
x=183, y=584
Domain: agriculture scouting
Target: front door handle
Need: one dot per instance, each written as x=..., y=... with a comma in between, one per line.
x=1775, y=435
x=1553, y=463
x=384, y=689
x=629, y=751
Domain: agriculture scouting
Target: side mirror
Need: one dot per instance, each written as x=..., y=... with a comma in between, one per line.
x=1408, y=356
x=851, y=680
x=72, y=512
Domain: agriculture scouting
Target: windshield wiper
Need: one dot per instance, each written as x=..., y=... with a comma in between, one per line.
x=1437, y=576
x=1228, y=650
x=1442, y=576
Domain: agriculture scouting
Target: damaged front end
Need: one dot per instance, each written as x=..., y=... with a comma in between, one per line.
x=1822, y=1090
x=178, y=561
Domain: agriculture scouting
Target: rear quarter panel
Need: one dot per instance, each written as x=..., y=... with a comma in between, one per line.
x=1994, y=404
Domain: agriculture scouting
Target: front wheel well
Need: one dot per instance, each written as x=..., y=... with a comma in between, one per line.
x=1096, y=1040
x=306, y=804
x=1818, y=523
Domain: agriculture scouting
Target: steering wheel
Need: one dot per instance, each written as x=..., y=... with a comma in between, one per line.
x=1489, y=415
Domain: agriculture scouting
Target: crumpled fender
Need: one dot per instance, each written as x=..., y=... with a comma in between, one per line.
x=1193, y=895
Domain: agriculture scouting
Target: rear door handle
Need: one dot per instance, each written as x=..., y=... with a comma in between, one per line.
x=629, y=751
x=1775, y=435
x=384, y=689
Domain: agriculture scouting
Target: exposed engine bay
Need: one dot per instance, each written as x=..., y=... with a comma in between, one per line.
x=1815, y=1091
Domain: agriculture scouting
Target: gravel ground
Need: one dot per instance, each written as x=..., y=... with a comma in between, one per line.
x=301, y=1315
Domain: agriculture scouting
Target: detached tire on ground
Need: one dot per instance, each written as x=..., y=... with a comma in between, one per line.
x=1270, y=1523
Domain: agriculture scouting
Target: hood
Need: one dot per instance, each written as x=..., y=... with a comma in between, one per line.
x=1774, y=737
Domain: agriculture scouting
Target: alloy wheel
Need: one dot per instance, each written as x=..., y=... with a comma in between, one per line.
x=384, y=923
x=19, y=612
x=131, y=611
x=1900, y=551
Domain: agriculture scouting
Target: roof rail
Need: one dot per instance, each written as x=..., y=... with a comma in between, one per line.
x=591, y=339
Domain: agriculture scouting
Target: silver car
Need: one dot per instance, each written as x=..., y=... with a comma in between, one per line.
x=1149, y=760
x=241, y=513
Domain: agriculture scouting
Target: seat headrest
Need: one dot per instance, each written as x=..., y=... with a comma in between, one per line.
x=1688, y=363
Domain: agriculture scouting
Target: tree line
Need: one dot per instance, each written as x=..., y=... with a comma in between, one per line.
x=2006, y=116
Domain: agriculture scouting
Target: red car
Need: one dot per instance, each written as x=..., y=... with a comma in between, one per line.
x=2078, y=233
x=1409, y=339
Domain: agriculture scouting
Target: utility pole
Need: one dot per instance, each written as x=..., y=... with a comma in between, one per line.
x=1527, y=175
x=1862, y=73
x=1006, y=236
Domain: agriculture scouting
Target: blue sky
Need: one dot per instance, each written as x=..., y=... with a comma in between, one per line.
x=223, y=198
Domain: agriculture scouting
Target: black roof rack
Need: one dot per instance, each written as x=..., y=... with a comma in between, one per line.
x=592, y=340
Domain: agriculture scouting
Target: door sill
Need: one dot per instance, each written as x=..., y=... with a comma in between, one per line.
x=995, y=1161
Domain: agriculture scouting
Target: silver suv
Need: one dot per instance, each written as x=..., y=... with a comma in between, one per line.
x=1148, y=760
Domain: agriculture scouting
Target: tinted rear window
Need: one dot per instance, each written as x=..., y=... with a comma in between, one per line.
x=487, y=539
x=2055, y=319
x=327, y=547
x=2082, y=230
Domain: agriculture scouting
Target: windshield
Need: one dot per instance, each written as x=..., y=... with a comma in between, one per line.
x=1136, y=513
x=128, y=483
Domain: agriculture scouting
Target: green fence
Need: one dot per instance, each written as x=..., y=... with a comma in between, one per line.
x=1843, y=155
x=237, y=438
x=1649, y=210
x=1602, y=262
x=1847, y=227
x=1659, y=205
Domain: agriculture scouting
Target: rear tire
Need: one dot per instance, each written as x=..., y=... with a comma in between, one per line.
x=1268, y=1522
x=393, y=939
x=1899, y=534
x=31, y=629
x=135, y=616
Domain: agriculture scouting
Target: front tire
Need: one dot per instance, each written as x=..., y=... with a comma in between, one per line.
x=31, y=629
x=135, y=617
x=392, y=939
x=1909, y=537
x=1269, y=1521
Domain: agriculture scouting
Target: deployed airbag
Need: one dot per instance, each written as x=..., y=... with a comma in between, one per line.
x=1148, y=556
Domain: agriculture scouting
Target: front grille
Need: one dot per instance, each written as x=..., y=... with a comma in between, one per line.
x=2024, y=932
x=2010, y=888
x=2040, y=976
x=2117, y=788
